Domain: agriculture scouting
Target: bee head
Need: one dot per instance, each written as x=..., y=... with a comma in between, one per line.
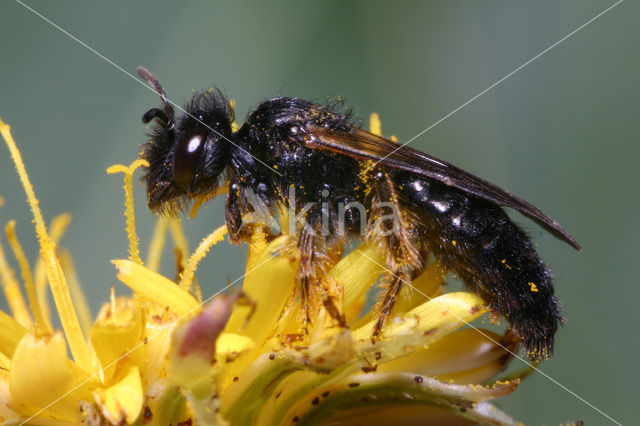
x=186, y=154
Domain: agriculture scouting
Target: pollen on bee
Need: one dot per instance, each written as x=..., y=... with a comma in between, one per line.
x=534, y=288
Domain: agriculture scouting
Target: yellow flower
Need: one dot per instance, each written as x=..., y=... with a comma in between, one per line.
x=165, y=356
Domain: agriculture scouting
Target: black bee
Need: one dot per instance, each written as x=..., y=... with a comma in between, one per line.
x=294, y=154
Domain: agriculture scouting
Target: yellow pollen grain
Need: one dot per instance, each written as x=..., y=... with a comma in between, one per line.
x=375, y=126
x=196, y=206
x=234, y=124
x=454, y=242
x=57, y=281
x=42, y=326
x=134, y=249
x=534, y=287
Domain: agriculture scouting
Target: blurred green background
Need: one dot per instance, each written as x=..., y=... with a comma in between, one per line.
x=562, y=132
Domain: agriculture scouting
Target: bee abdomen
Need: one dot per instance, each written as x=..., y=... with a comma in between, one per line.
x=477, y=241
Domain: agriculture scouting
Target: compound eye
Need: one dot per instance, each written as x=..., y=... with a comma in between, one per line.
x=185, y=157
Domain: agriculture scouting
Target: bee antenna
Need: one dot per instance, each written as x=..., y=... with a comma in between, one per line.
x=153, y=81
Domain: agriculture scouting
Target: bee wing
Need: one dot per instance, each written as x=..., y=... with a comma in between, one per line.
x=367, y=146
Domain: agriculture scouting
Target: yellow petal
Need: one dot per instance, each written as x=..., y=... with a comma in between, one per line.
x=34, y=304
x=424, y=286
x=466, y=356
x=420, y=326
x=123, y=401
x=11, y=332
x=12, y=292
x=42, y=376
x=156, y=346
x=242, y=400
x=357, y=273
x=166, y=405
x=77, y=293
x=58, y=227
x=155, y=287
x=397, y=390
x=156, y=245
x=118, y=334
x=270, y=287
x=7, y=413
x=231, y=343
x=286, y=394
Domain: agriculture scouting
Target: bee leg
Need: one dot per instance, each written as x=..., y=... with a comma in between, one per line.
x=306, y=271
x=245, y=212
x=386, y=305
x=333, y=310
x=391, y=228
x=318, y=253
x=304, y=286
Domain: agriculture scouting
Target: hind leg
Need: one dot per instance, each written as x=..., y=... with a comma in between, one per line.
x=391, y=228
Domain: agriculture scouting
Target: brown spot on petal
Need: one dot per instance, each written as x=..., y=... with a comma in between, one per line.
x=235, y=379
x=368, y=368
x=290, y=338
x=278, y=395
x=315, y=401
x=272, y=356
x=187, y=422
x=296, y=419
x=354, y=385
x=475, y=310
x=418, y=379
x=378, y=355
x=325, y=394
x=148, y=415
x=430, y=332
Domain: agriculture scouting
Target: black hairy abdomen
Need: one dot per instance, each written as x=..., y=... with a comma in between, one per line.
x=476, y=240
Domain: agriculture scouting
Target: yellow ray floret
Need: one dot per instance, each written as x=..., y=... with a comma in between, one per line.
x=81, y=352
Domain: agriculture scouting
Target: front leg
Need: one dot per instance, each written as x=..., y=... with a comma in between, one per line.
x=319, y=252
x=248, y=207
